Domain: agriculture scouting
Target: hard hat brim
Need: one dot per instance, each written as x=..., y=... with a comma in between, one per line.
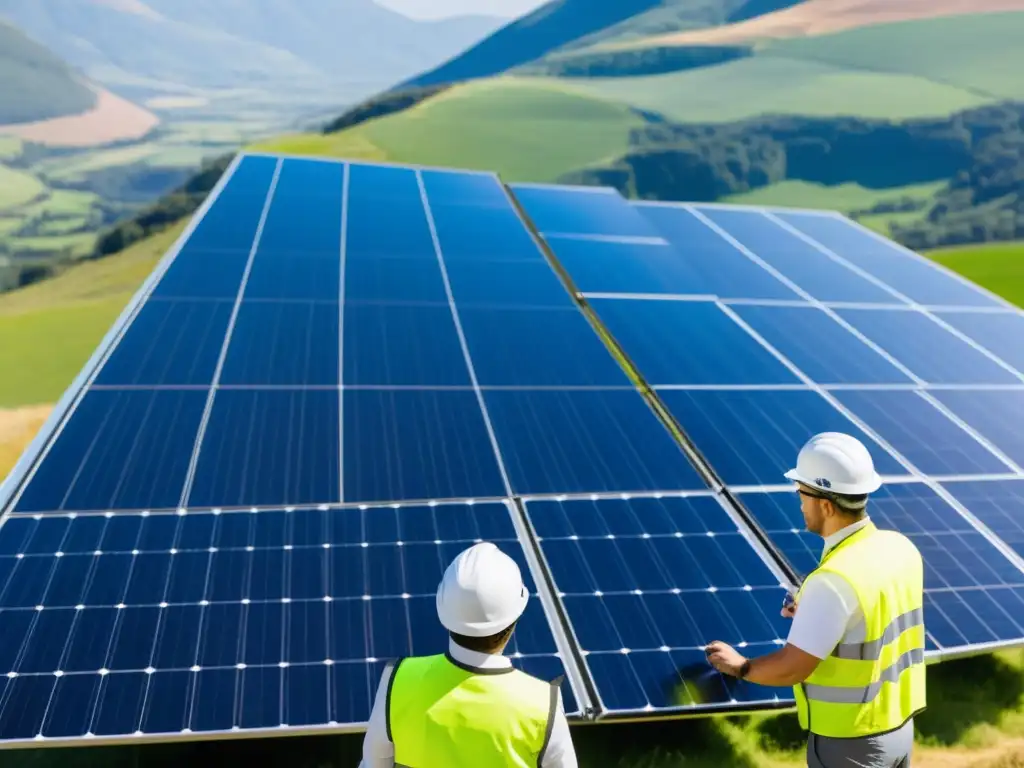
x=870, y=485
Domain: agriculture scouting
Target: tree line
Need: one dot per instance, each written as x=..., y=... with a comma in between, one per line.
x=979, y=153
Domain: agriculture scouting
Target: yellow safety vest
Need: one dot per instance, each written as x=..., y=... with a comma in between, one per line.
x=868, y=688
x=442, y=714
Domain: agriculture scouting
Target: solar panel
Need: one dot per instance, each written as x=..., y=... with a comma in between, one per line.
x=117, y=624
x=749, y=375
x=175, y=559
x=647, y=582
x=345, y=373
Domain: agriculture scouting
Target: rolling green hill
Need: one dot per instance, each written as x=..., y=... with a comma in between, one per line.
x=758, y=85
x=980, y=54
x=34, y=83
x=524, y=129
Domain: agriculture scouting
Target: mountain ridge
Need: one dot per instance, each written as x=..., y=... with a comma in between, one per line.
x=34, y=83
x=284, y=45
x=562, y=26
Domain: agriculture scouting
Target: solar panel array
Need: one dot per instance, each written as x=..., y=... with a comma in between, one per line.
x=345, y=373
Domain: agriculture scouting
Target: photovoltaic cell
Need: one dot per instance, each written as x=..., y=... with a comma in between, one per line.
x=684, y=342
x=926, y=348
x=808, y=267
x=371, y=235
x=585, y=441
x=912, y=276
x=999, y=333
x=445, y=187
x=400, y=280
x=203, y=274
x=973, y=594
x=493, y=283
x=753, y=437
x=997, y=504
x=417, y=444
x=407, y=344
x=935, y=444
x=610, y=266
x=647, y=583
x=995, y=414
x=302, y=224
x=538, y=347
x=565, y=210
x=819, y=346
x=309, y=603
x=294, y=276
x=488, y=232
x=269, y=446
x=124, y=449
x=170, y=342
x=723, y=269
x=283, y=343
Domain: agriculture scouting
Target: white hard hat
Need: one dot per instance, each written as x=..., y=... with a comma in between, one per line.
x=836, y=463
x=481, y=592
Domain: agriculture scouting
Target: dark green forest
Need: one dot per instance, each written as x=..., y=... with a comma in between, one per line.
x=979, y=152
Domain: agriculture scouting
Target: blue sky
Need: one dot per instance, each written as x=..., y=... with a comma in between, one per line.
x=436, y=9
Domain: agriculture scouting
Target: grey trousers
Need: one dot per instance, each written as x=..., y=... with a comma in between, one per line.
x=888, y=750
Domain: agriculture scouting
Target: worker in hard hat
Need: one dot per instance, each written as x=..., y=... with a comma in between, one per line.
x=855, y=650
x=469, y=708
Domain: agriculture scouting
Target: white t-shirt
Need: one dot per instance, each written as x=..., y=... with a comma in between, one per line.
x=828, y=612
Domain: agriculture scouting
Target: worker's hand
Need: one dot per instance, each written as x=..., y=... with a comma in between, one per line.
x=788, y=607
x=725, y=658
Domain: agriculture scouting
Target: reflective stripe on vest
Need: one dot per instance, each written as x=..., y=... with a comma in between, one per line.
x=443, y=714
x=867, y=688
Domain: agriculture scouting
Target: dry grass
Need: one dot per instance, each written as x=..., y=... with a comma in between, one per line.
x=112, y=119
x=17, y=428
x=821, y=17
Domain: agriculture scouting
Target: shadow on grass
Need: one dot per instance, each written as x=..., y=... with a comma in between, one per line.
x=780, y=733
x=962, y=694
x=343, y=751
x=698, y=743
x=968, y=692
x=681, y=744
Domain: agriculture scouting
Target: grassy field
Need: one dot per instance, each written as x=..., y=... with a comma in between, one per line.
x=842, y=197
x=998, y=267
x=525, y=129
x=48, y=330
x=156, y=154
x=10, y=147
x=978, y=53
x=774, y=84
x=18, y=187
x=349, y=144
x=75, y=245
